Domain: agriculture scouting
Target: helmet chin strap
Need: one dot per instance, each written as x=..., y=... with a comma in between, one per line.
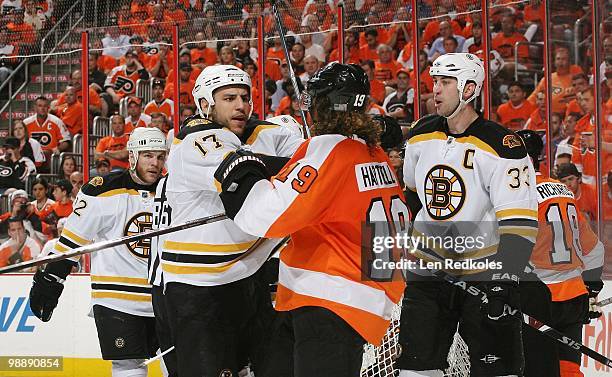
x=461, y=105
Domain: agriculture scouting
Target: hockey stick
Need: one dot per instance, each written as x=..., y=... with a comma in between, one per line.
x=296, y=89
x=604, y=302
x=529, y=320
x=149, y=361
x=111, y=243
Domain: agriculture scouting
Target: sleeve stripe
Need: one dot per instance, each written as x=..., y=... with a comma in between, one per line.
x=74, y=237
x=207, y=248
x=118, y=279
x=525, y=232
x=66, y=242
x=60, y=248
x=517, y=212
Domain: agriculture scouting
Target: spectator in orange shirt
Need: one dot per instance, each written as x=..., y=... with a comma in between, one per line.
x=136, y=118
x=48, y=129
x=184, y=57
x=377, y=88
x=19, y=247
x=504, y=41
x=71, y=112
x=185, y=86
x=121, y=81
x=201, y=55
x=22, y=34
x=351, y=49
x=96, y=105
x=585, y=195
x=159, y=104
x=587, y=122
x=580, y=82
x=537, y=119
x=385, y=68
x=159, y=64
x=139, y=7
x=114, y=147
x=515, y=113
x=40, y=191
x=562, y=90
x=369, y=50
x=173, y=12
x=63, y=204
x=159, y=20
x=585, y=158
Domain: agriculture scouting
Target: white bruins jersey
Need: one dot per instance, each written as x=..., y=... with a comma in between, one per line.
x=473, y=187
x=216, y=253
x=108, y=208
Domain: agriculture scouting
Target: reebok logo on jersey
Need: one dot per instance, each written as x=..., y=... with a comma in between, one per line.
x=490, y=359
x=374, y=175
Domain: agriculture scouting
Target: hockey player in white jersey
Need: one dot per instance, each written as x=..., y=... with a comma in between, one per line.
x=218, y=309
x=107, y=208
x=472, y=178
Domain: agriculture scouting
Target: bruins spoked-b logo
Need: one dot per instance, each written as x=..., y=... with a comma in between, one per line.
x=139, y=223
x=444, y=192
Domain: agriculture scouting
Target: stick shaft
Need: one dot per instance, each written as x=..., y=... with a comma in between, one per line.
x=111, y=243
x=547, y=330
x=296, y=89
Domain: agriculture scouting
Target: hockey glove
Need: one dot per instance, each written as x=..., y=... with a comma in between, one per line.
x=237, y=174
x=503, y=297
x=47, y=288
x=391, y=136
x=594, y=285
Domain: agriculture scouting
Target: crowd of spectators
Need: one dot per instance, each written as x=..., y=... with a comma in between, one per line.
x=135, y=45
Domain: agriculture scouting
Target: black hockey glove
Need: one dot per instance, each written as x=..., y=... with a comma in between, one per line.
x=503, y=297
x=47, y=288
x=391, y=136
x=237, y=174
x=594, y=285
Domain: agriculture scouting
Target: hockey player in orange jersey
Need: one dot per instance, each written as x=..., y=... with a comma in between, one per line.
x=335, y=182
x=567, y=256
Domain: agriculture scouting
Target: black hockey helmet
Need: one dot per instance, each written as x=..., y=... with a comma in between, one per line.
x=533, y=143
x=346, y=86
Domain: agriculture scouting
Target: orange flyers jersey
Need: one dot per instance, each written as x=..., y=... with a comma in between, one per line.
x=122, y=81
x=331, y=186
x=166, y=106
x=50, y=133
x=185, y=89
x=565, y=244
x=515, y=117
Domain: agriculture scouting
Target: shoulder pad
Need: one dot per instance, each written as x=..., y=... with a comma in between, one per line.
x=196, y=123
x=426, y=124
x=99, y=185
x=503, y=141
x=252, y=126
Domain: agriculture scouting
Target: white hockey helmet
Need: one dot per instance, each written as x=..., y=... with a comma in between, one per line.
x=214, y=77
x=288, y=122
x=145, y=139
x=464, y=67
